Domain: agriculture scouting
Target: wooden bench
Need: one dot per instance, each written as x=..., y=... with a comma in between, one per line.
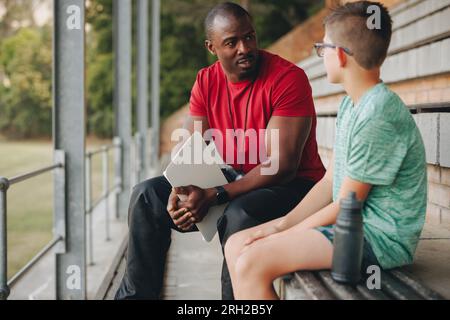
x=319, y=285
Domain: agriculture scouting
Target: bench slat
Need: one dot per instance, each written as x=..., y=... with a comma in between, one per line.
x=423, y=291
x=396, y=288
x=312, y=286
x=341, y=291
x=371, y=294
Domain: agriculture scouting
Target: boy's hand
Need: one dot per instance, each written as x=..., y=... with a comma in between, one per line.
x=262, y=233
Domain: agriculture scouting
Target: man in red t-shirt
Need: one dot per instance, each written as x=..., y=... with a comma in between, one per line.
x=246, y=90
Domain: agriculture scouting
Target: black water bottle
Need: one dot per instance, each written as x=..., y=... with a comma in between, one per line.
x=348, y=242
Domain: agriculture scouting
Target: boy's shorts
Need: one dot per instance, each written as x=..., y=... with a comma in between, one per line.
x=369, y=257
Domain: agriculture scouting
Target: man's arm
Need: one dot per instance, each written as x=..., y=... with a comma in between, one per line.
x=293, y=133
x=287, y=152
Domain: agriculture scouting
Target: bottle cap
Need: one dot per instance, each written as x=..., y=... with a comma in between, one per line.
x=351, y=202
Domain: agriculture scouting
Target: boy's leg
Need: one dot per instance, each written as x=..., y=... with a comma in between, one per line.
x=149, y=240
x=296, y=249
x=236, y=242
x=254, y=208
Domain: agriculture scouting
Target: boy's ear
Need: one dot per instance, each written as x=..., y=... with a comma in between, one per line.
x=342, y=57
x=209, y=46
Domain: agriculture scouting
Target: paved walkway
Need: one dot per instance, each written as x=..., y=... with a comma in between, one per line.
x=193, y=268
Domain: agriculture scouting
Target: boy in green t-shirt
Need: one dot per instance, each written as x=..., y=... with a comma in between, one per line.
x=378, y=154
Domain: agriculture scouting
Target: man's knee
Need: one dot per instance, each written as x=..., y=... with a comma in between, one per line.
x=146, y=198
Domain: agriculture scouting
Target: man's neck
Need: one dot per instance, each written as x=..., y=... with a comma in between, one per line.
x=356, y=87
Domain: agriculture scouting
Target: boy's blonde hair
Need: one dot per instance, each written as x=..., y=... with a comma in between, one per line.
x=347, y=27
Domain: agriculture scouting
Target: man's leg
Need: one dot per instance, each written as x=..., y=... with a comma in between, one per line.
x=149, y=240
x=254, y=208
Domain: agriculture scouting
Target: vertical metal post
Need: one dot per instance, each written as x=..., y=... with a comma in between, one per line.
x=142, y=87
x=89, y=209
x=4, y=289
x=105, y=167
x=69, y=135
x=117, y=172
x=137, y=158
x=122, y=101
x=156, y=7
x=59, y=201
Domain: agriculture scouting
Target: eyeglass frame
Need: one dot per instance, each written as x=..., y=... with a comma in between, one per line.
x=323, y=45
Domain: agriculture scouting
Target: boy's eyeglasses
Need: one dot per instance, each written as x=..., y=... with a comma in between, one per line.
x=320, y=48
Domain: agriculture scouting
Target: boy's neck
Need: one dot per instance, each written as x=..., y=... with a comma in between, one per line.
x=357, y=85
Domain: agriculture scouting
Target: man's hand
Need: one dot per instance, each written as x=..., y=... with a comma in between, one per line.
x=181, y=216
x=198, y=200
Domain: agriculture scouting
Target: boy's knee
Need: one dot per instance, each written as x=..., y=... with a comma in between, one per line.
x=245, y=267
x=232, y=247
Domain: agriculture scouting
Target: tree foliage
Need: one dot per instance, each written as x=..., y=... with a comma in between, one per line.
x=25, y=58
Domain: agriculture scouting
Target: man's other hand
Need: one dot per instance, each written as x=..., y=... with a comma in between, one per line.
x=197, y=200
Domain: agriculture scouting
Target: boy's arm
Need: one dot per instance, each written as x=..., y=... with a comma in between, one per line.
x=317, y=198
x=328, y=215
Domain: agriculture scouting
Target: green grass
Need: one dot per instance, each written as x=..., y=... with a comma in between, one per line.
x=30, y=203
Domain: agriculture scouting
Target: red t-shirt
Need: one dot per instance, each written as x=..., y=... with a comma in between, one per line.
x=281, y=89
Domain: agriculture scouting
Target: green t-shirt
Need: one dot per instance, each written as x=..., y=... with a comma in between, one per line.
x=378, y=142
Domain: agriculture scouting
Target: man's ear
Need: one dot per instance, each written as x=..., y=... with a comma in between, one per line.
x=342, y=57
x=209, y=46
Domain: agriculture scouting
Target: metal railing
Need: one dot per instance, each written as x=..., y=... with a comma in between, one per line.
x=58, y=169
x=5, y=184
x=91, y=204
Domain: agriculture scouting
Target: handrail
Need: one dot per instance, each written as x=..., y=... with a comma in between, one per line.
x=33, y=174
x=101, y=149
x=5, y=184
x=33, y=261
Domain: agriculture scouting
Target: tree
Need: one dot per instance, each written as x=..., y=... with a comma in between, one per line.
x=26, y=93
x=100, y=66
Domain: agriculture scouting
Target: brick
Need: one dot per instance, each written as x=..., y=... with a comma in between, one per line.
x=428, y=124
x=320, y=131
x=422, y=96
x=435, y=95
x=439, y=194
x=434, y=174
x=444, y=139
x=440, y=83
x=445, y=216
x=330, y=125
x=434, y=57
x=433, y=215
x=445, y=49
x=409, y=98
x=445, y=176
x=446, y=94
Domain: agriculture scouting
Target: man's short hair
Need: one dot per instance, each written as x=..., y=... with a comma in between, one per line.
x=225, y=9
x=347, y=27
